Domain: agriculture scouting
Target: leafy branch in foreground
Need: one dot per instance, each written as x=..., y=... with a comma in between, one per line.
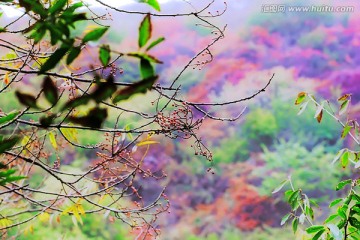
x=344, y=222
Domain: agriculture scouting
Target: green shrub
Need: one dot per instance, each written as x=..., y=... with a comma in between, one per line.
x=311, y=170
x=260, y=127
x=231, y=150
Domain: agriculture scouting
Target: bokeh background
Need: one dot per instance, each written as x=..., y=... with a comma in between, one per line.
x=316, y=52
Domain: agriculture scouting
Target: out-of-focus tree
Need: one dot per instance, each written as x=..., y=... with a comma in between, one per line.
x=61, y=100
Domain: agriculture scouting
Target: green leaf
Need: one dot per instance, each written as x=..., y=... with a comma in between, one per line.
x=95, y=34
x=356, y=197
x=26, y=99
x=94, y=119
x=282, y=184
x=295, y=224
x=335, y=202
x=342, y=212
x=53, y=59
x=47, y=121
x=104, y=55
x=153, y=3
x=309, y=211
x=300, y=98
x=145, y=56
x=58, y=6
x=82, y=100
x=73, y=54
x=342, y=184
x=355, y=210
x=345, y=159
x=318, y=235
x=35, y=6
x=50, y=90
x=104, y=90
x=154, y=43
x=56, y=34
x=70, y=19
x=128, y=128
x=7, y=144
x=344, y=106
x=146, y=69
x=348, y=199
x=338, y=155
x=314, y=229
x=145, y=31
x=11, y=179
x=288, y=193
x=341, y=224
x=38, y=32
x=8, y=118
x=68, y=12
x=285, y=218
x=293, y=198
x=7, y=173
x=15, y=178
x=345, y=131
x=139, y=87
x=354, y=222
x=63, y=28
x=313, y=202
x=330, y=218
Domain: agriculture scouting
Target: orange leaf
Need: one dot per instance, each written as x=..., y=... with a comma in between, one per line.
x=319, y=116
x=6, y=78
x=344, y=97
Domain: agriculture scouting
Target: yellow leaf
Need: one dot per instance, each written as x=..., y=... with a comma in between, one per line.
x=104, y=199
x=53, y=140
x=89, y=28
x=80, y=209
x=44, y=217
x=5, y=222
x=25, y=140
x=68, y=210
x=25, y=143
x=39, y=62
x=29, y=229
x=76, y=209
x=146, y=143
x=70, y=133
x=127, y=128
